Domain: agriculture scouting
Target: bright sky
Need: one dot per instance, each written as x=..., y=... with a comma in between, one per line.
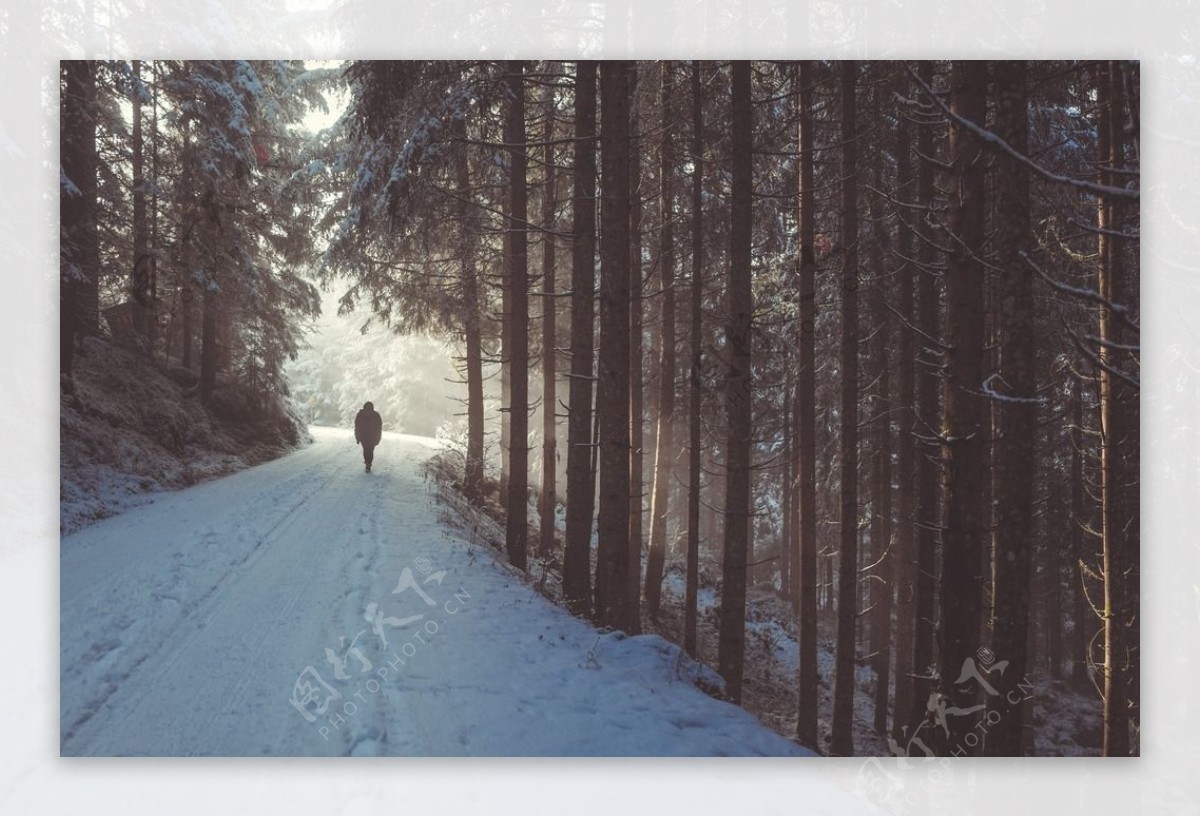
x=316, y=120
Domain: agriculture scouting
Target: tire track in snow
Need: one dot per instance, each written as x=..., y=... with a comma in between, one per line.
x=215, y=570
x=196, y=613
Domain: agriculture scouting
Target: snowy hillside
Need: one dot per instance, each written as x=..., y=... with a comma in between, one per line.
x=303, y=607
x=128, y=428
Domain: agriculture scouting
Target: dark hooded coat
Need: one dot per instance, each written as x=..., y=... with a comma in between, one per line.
x=368, y=426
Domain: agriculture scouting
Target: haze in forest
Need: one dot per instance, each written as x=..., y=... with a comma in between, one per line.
x=826, y=373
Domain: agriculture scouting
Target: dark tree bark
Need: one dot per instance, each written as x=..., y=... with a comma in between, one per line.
x=1119, y=460
x=473, y=476
x=506, y=332
x=186, y=297
x=805, y=430
x=1054, y=597
x=612, y=402
x=847, y=599
x=548, y=499
x=664, y=455
x=77, y=208
x=929, y=512
x=732, y=644
x=966, y=424
x=208, y=338
x=787, y=534
x=882, y=580
x=580, y=484
x=1015, y=458
x=694, y=377
x=516, y=532
x=1084, y=620
x=637, y=427
x=906, y=556
x=472, y=321
x=141, y=263
x=187, y=291
x=152, y=325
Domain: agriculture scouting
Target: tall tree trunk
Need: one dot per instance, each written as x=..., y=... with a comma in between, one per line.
x=1054, y=599
x=549, y=499
x=506, y=318
x=612, y=403
x=806, y=426
x=1016, y=454
x=883, y=579
x=516, y=533
x=473, y=467
x=208, y=338
x=787, y=533
x=580, y=484
x=188, y=331
x=152, y=319
x=905, y=570
x=637, y=427
x=141, y=261
x=929, y=513
x=187, y=275
x=1119, y=461
x=473, y=476
x=694, y=377
x=1084, y=622
x=80, y=265
x=847, y=599
x=664, y=455
x=966, y=420
x=732, y=644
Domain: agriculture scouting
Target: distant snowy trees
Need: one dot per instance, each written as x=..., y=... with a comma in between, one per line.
x=415, y=184
x=348, y=359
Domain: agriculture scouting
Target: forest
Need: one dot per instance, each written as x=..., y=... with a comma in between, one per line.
x=849, y=348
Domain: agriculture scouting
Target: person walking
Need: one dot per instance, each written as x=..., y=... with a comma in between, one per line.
x=368, y=429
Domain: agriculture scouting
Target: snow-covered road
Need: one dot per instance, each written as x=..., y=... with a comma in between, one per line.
x=304, y=607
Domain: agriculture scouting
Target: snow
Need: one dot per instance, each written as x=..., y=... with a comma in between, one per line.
x=674, y=583
x=199, y=624
x=1065, y=721
x=127, y=433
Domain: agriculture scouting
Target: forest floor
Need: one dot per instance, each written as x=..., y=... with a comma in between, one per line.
x=303, y=607
x=1064, y=720
x=130, y=427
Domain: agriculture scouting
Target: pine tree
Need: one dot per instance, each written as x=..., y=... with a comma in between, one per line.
x=806, y=426
x=906, y=531
x=612, y=402
x=516, y=532
x=1016, y=449
x=1119, y=520
x=80, y=271
x=577, y=586
x=664, y=456
x=548, y=500
x=929, y=412
x=847, y=599
x=637, y=425
x=738, y=388
x=964, y=431
x=695, y=391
